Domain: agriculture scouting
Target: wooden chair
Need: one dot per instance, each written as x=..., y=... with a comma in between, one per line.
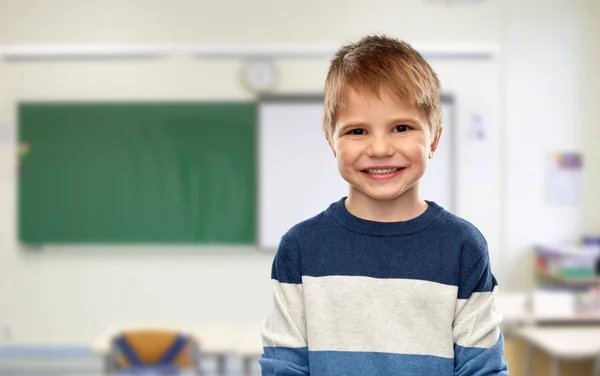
x=162, y=351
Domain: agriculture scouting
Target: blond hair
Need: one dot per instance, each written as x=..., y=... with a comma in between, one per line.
x=376, y=63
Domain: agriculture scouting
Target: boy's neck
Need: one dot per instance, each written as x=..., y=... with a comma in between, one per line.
x=408, y=206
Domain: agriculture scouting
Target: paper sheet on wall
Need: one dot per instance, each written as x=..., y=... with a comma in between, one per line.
x=564, y=179
x=479, y=127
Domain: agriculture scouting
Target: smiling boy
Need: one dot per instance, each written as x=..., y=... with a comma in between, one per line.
x=382, y=282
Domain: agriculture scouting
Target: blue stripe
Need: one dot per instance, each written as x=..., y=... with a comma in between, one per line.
x=414, y=256
x=284, y=361
x=478, y=279
x=295, y=362
x=377, y=364
x=468, y=361
x=474, y=361
x=329, y=249
x=286, y=264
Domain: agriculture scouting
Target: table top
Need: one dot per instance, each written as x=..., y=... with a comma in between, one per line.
x=572, y=342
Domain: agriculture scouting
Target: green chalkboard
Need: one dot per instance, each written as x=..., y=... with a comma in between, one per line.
x=123, y=173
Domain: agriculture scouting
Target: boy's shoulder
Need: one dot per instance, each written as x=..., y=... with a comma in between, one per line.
x=310, y=226
x=460, y=227
x=470, y=241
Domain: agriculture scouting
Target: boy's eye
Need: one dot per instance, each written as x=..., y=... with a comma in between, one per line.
x=401, y=128
x=357, y=132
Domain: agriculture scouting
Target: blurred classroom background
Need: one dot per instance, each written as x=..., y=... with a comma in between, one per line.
x=151, y=153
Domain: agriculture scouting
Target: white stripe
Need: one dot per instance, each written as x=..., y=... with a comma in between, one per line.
x=352, y=313
x=285, y=326
x=477, y=322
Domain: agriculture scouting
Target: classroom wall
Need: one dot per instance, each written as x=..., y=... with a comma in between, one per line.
x=68, y=296
x=549, y=106
x=591, y=214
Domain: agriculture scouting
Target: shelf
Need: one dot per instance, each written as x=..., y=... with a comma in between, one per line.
x=567, y=281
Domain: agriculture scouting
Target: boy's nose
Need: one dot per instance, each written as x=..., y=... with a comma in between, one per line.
x=380, y=147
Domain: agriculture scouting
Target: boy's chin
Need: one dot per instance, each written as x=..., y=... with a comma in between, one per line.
x=383, y=195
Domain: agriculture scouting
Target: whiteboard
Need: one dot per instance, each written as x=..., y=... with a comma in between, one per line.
x=298, y=176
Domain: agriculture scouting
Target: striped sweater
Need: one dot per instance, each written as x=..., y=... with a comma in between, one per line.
x=354, y=297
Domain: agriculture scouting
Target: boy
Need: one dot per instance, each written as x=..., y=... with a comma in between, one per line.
x=382, y=282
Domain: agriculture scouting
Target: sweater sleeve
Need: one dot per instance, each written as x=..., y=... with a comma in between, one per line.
x=285, y=350
x=478, y=342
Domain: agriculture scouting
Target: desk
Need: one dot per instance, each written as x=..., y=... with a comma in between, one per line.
x=516, y=312
x=216, y=339
x=563, y=342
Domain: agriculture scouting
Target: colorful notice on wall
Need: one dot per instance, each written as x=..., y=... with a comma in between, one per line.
x=564, y=178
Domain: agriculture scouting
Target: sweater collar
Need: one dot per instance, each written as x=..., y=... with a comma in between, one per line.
x=340, y=214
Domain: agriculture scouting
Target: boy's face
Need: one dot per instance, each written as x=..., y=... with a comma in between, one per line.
x=382, y=146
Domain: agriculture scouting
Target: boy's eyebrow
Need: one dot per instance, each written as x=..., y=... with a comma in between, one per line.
x=352, y=124
x=402, y=120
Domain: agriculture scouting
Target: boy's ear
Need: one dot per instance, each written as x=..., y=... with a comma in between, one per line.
x=435, y=141
x=331, y=146
x=330, y=142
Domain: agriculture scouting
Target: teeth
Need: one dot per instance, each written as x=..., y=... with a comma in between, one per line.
x=386, y=171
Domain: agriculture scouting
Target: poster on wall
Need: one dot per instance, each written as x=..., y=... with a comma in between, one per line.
x=564, y=178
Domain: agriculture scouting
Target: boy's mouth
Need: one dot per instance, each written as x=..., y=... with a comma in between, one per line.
x=382, y=171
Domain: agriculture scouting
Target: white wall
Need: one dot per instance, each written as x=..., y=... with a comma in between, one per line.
x=591, y=135
x=183, y=21
x=67, y=296
x=548, y=48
